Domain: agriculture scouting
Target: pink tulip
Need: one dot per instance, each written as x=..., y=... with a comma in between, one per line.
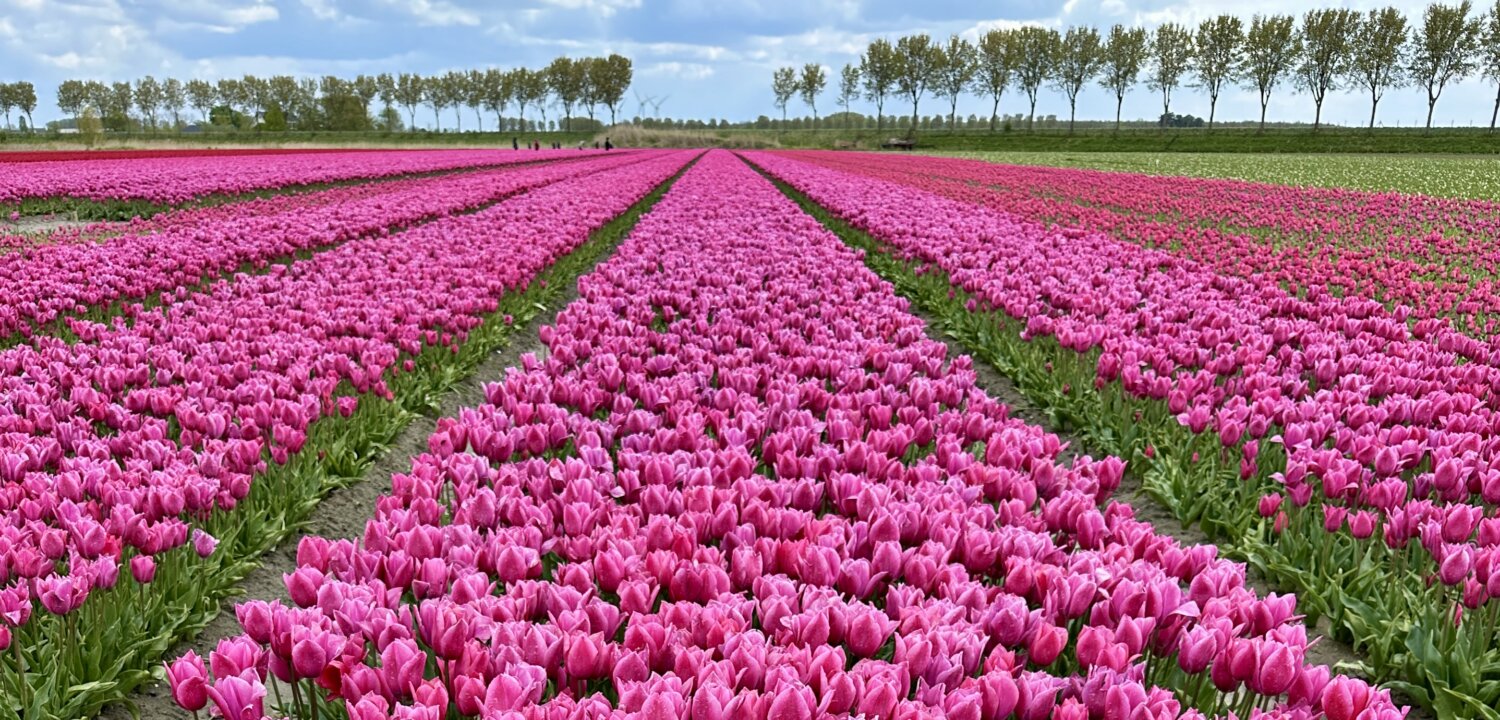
x=188, y=679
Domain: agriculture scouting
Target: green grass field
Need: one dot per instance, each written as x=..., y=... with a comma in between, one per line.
x=1443, y=176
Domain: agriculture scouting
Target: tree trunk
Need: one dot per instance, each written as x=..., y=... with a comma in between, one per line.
x=995, y=111
x=1318, y=114
x=1072, y=113
x=1263, y=101
x=1213, y=104
x=1166, y=107
x=952, y=115
x=1496, y=112
x=1119, y=103
x=1031, y=119
x=411, y=115
x=1431, y=103
x=437, y=122
x=499, y=121
x=914, y=123
x=478, y=120
x=1374, y=101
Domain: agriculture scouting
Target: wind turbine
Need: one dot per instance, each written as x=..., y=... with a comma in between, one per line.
x=656, y=105
x=641, y=103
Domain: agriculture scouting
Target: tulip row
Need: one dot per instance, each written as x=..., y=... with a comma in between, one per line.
x=254, y=396
x=28, y=156
x=744, y=484
x=157, y=220
x=43, y=288
x=1234, y=395
x=172, y=180
x=1438, y=257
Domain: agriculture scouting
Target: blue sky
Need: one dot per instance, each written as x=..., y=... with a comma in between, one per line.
x=710, y=58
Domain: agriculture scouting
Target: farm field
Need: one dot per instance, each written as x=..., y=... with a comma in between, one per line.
x=771, y=434
x=1472, y=177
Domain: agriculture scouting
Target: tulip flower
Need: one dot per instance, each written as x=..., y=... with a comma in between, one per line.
x=188, y=679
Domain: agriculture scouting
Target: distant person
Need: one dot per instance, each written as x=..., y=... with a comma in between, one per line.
x=515, y=144
x=596, y=144
x=608, y=145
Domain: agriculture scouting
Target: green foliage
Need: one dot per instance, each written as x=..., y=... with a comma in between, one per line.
x=1444, y=49
x=274, y=121
x=1327, y=42
x=1171, y=58
x=1037, y=50
x=1271, y=49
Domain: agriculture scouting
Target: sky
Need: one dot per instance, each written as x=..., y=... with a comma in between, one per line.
x=700, y=58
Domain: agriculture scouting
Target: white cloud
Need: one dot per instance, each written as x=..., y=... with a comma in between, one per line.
x=603, y=8
x=679, y=70
x=322, y=9
x=436, y=12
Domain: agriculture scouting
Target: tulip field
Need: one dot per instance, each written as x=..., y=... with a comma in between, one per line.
x=744, y=476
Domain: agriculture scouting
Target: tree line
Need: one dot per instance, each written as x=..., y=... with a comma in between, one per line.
x=284, y=102
x=1330, y=49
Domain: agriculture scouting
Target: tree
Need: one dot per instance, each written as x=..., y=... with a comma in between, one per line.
x=366, y=87
x=1079, y=58
x=611, y=77
x=342, y=106
x=1491, y=56
x=565, y=79
x=811, y=85
x=410, y=92
x=456, y=93
x=1271, y=49
x=1327, y=38
x=1124, y=54
x=589, y=97
x=201, y=96
x=148, y=99
x=120, y=100
x=71, y=98
x=385, y=88
x=1376, y=58
x=531, y=89
x=495, y=92
x=917, y=63
x=1171, y=54
x=784, y=85
x=474, y=94
x=7, y=101
x=877, y=69
x=1444, y=49
x=849, y=87
x=173, y=100
x=959, y=63
x=1037, y=50
x=305, y=102
x=231, y=92
x=997, y=65
x=1217, y=56
x=24, y=95
x=90, y=127
x=257, y=95
x=435, y=95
